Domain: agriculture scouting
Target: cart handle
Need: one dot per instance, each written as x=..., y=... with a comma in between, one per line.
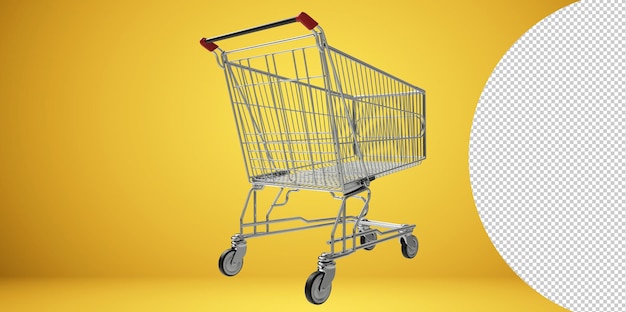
x=303, y=18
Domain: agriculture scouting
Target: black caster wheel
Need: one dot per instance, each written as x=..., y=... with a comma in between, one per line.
x=409, y=246
x=227, y=265
x=313, y=291
x=369, y=238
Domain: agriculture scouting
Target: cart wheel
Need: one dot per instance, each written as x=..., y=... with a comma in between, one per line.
x=368, y=238
x=409, y=246
x=312, y=289
x=226, y=264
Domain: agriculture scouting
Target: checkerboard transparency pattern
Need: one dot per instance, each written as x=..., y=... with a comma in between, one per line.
x=547, y=156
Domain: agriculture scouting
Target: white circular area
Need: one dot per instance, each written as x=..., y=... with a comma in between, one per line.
x=547, y=156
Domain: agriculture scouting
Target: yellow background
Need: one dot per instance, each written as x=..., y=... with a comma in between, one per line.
x=119, y=155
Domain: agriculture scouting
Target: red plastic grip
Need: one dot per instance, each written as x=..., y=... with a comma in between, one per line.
x=208, y=45
x=306, y=20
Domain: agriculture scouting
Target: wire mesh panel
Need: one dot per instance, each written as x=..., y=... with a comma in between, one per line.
x=310, y=116
x=387, y=115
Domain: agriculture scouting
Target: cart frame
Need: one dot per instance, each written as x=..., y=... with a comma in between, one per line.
x=333, y=124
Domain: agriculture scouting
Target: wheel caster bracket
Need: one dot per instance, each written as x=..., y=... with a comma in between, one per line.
x=412, y=243
x=240, y=247
x=328, y=267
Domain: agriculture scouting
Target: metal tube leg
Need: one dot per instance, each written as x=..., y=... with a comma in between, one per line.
x=267, y=216
x=344, y=226
x=254, y=211
x=362, y=215
x=339, y=217
x=252, y=191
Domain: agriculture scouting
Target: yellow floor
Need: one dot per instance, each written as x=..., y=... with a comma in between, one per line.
x=262, y=294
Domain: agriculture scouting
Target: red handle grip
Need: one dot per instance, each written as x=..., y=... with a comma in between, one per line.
x=208, y=44
x=306, y=20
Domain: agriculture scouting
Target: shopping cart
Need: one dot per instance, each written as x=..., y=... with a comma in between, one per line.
x=310, y=117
